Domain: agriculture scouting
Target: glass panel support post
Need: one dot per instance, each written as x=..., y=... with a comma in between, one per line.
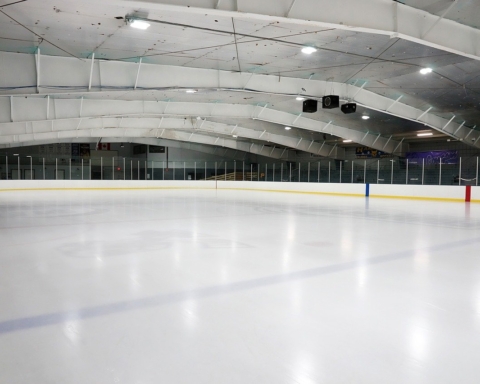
x=460, y=173
x=352, y=171
x=476, y=176
x=82, y=169
x=423, y=171
x=440, y=173
x=329, y=171
x=391, y=175
x=365, y=172
x=101, y=168
x=56, y=168
x=340, y=172
x=406, y=181
x=378, y=171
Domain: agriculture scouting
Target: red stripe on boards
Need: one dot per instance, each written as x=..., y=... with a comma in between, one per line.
x=468, y=194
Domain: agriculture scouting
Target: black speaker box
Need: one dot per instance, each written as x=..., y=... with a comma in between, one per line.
x=330, y=102
x=310, y=106
x=349, y=108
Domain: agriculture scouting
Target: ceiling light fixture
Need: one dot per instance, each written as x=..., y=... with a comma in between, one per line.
x=235, y=136
x=365, y=117
x=347, y=141
x=300, y=98
x=138, y=24
x=288, y=128
x=425, y=71
x=309, y=50
x=425, y=134
x=191, y=91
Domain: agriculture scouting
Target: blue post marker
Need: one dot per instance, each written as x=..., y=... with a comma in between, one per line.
x=367, y=190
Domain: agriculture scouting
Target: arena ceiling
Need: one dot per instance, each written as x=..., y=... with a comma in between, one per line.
x=229, y=72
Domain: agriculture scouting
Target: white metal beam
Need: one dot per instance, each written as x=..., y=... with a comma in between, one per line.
x=164, y=77
x=108, y=108
x=146, y=127
x=369, y=16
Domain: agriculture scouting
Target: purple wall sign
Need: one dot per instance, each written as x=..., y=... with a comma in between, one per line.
x=433, y=157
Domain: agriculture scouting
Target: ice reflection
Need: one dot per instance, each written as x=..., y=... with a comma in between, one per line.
x=419, y=342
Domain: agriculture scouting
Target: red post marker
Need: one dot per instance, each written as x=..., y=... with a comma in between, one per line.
x=468, y=194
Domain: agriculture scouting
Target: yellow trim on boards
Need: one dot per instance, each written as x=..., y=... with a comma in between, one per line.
x=449, y=199
x=301, y=192
x=96, y=189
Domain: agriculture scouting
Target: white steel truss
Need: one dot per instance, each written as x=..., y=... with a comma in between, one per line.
x=61, y=75
x=173, y=128
x=384, y=17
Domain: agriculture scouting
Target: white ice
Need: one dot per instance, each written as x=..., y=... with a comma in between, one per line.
x=237, y=287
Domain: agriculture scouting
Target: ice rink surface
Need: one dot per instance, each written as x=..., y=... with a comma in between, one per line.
x=237, y=287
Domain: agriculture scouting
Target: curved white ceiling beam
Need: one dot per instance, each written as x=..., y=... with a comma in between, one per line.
x=158, y=127
x=34, y=110
x=201, y=148
x=191, y=137
x=385, y=17
x=67, y=75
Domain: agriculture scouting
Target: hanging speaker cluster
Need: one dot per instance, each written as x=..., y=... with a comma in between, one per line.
x=328, y=102
x=310, y=106
x=349, y=108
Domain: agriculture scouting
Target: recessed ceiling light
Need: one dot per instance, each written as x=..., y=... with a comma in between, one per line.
x=425, y=134
x=309, y=50
x=347, y=141
x=139, y=24
x=425, y=71
x=191, y=91
x=15, y=154
x=365, y=117
x=235, y=136
x=300, y=98
x=288, y=128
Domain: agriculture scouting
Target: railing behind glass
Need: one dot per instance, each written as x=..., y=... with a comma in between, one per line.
x=379, y=171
